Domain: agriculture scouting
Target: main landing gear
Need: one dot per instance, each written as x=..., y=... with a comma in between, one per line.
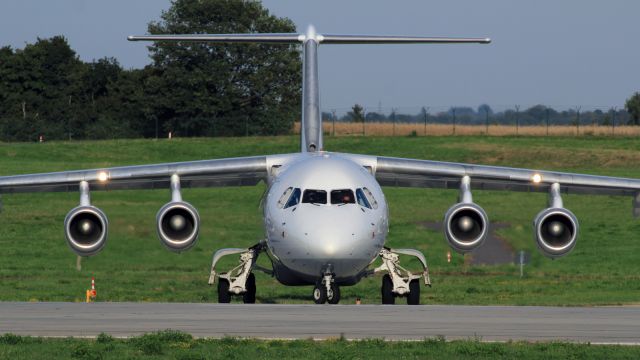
x=239, y=281
x=399, y=282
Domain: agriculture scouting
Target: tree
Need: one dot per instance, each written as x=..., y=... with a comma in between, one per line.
x=203, y=89
x=633, y=108
x=357, y=113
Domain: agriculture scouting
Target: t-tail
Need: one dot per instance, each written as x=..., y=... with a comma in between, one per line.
x=311, y=126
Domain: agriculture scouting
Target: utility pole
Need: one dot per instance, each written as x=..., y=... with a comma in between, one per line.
x=613, y=121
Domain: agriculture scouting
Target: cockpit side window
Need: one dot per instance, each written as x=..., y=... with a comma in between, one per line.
x=362, y=199
x=344, y=196
x=370, y=198
x=294, y=199
x=284, y=197
x=314, y=196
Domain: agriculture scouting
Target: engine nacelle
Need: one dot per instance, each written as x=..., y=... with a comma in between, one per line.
x=466, y=226
x=178, y=225
x=85, y=228
x=555, y=231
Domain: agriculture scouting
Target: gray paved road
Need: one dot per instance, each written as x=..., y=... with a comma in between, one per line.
x=490, y=323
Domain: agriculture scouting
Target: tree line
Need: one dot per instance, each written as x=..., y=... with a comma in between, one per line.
x=190, y=89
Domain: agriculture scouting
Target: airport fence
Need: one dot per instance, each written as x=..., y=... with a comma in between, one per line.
x=535, y=120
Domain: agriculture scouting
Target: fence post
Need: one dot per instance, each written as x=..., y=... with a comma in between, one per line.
x=454, y=121
x=486, y=121
x=364, y=120
x=578, y=120
x=333, y=119
x=393, y=117
x=547, y=110
x=426, y=113
x=613, y=121
x=517, y=119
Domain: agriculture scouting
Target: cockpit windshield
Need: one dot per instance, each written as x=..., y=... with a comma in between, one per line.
x=362, y=199
x=314, y=196
x=344, y=196
x=294, y=199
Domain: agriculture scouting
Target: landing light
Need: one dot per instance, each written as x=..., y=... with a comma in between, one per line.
x=536, y=178
x=103, y=176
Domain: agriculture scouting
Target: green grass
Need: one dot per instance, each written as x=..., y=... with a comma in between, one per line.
x=177, y=345
x=36, y=264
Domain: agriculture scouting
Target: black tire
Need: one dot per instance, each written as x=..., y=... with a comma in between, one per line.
x=335, y=298
x=413, y=297
x=388, y=297
x=320, y=294
x=223, y=292
x=249, y=297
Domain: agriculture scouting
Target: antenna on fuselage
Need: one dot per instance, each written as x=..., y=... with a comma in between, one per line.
x=311, y=123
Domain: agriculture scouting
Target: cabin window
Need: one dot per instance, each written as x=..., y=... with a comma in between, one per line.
x=362, y=199
x=370, y=198
x=314, y=196
x=344, y=196
x=294, y=199
x=284, y=197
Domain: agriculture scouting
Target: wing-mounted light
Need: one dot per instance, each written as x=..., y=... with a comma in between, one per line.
x=178, y=222
x=465, y=224
x=86, y=226
x=555, y=228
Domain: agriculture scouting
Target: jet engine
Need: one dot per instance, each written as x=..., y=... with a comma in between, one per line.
x=85, y=226
x=556, y=231
x=555, y=228
x=178, y=225
x=178, y=222
x=465, y=224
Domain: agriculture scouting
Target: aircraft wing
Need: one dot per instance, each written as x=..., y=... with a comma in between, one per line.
x=402, y=172
x=204, y=173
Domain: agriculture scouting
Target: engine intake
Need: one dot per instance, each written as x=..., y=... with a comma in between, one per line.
x=465, y=226
x=86, y=230
x=178, y=226
x=556, y=231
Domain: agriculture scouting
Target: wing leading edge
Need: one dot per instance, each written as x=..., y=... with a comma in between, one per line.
x=205, y=173
x=403, y=172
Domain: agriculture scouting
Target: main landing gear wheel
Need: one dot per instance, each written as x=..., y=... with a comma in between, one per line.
x=413, y=297
x=249, y=297
x=223, y=292
x=388, y=297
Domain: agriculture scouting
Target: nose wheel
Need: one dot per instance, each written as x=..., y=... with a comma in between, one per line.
x=326, y=291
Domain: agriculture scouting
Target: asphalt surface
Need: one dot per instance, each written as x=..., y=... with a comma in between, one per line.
x=393, y=322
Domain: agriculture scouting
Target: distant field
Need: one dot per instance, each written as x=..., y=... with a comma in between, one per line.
x=176, y=345
x=35, y=263
x=418, y=129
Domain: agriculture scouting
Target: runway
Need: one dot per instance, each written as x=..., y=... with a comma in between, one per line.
x=400, y=322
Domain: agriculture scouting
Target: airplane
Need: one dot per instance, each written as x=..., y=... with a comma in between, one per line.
x=325, y=215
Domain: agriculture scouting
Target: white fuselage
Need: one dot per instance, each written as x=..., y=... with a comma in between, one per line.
x=342, y=233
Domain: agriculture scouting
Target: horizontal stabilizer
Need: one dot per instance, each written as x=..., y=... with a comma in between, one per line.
x=374, y=39
x=253, y=38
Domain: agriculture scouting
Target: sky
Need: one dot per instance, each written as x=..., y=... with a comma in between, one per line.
x=564, y=54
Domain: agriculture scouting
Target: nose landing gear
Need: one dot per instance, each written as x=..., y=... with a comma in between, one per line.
x=326, y=291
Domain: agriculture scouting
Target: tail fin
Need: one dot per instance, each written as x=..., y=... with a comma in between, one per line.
x=311, y=129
